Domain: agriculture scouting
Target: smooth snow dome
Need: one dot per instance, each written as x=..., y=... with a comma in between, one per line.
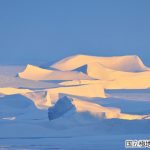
x=121, y=63
x=122, y=72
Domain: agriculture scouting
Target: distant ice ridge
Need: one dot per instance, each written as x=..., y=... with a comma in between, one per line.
x=130, y=63
x=117, y=72
x=36, y=73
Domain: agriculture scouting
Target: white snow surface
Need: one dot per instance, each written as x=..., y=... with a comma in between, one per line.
x=130, y=63
x=36, y=73
x=84, y=102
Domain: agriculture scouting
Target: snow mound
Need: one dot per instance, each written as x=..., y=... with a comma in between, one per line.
x=36, y=73
x=122, y=63
x=113, y=79
x=66, y=104
x=90, y=90
x=120, y=79
x=98, y=71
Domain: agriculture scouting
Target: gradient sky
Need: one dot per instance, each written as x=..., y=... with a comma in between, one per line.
x=40, y=31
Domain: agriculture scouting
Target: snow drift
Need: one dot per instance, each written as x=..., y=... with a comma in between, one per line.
x=124, y=72
x=12, y=91
x=66, y=104
x=90, y=90
x=36, y=73
x=121, y=63
x=119, y=72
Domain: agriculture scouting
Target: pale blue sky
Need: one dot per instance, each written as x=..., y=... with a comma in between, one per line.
x=39, y=31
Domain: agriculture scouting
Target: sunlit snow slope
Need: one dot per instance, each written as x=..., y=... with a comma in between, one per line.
x=37, y=73
x=121, y=63
x=121, y=72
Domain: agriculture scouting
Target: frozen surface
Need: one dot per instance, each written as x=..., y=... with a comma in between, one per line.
x=101, y=103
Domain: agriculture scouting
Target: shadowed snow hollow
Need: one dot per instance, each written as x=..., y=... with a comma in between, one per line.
x=62, y=106
x=18, y=107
